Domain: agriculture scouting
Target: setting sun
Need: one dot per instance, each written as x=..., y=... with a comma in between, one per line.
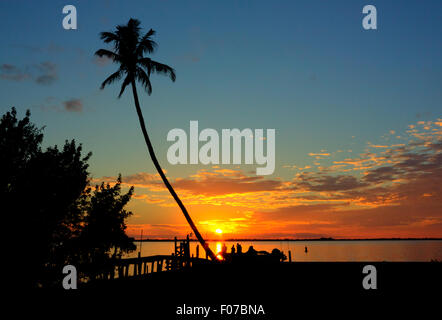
x=219, y=231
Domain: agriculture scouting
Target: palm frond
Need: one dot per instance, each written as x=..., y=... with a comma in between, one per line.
x=146, y=44
x=129, y=33
x=112, y=78
x=108, y=54
x=144, y=79
x=134, y=24
x=160, y=68
x=150, y=33
x=109, y=37
x=126, y=82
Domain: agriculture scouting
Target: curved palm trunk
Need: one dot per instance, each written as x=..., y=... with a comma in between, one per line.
x=163, y=176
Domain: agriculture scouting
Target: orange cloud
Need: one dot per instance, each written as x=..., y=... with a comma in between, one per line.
x=396, y=192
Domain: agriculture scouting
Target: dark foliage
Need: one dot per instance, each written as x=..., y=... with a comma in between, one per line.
x=48, y=208
x=103, y=237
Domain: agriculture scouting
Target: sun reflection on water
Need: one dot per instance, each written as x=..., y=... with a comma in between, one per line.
x=219, y=248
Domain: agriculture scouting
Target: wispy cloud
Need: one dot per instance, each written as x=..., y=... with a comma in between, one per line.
x=44, y=73
x=50, y=104
x=392, y=191
x=13, y=73
x=73, y=105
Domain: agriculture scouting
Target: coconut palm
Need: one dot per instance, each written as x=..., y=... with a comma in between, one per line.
x=129, y=49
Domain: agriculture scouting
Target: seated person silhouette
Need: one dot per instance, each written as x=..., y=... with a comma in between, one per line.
x=278, y=254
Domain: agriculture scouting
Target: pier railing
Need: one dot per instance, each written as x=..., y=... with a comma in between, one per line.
x=142, y=266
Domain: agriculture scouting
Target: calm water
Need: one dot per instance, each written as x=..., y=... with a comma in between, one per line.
x=391, y=250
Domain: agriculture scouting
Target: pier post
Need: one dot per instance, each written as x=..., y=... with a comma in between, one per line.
x=139, y=263
x=187, y=249
x=290, y=256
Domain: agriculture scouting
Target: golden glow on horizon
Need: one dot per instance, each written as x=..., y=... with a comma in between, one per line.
x=348, y=196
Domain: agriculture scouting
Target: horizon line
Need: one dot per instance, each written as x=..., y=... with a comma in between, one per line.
x=286, y=239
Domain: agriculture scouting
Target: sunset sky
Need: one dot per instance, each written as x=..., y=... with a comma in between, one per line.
x=357, y=113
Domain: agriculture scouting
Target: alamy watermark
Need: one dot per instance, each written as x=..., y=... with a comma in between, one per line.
x=70, y=280
x=369, y=21
x=258, y=148
x=70, y=20
x=370, y=280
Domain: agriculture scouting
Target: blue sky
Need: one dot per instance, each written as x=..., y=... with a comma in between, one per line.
x=305, y=68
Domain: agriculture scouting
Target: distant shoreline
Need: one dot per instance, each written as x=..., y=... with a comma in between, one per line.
x=288, y=239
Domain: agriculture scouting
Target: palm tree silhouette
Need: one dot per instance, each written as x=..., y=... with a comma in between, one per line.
x=130, y=47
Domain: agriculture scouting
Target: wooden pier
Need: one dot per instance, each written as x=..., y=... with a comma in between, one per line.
x=180, y=260
x=143, y=266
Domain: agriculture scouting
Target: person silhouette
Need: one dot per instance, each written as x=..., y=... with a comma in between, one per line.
x=233, y=249
x=252, y=251
x=238, y=248
x=224, y=249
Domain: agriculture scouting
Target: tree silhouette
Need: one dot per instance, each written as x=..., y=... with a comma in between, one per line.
x=130, y=47
x=104, y=228
x=39, y=192
x=19, y=141
x=49, y=208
